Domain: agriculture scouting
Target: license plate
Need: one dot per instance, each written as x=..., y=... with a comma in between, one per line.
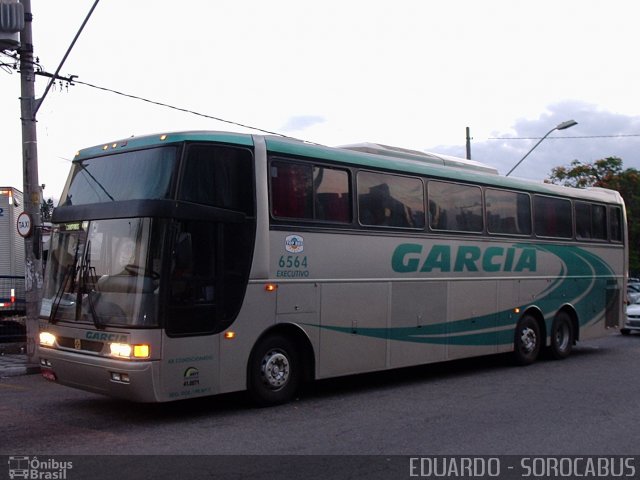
x=49, y=375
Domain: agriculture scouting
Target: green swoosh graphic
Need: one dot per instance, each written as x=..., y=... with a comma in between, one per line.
x=582, y=283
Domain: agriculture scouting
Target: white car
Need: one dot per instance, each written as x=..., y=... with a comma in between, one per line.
x=633, y=292
x=632, y=321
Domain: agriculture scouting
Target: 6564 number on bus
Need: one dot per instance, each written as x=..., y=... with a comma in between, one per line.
x=292, y=261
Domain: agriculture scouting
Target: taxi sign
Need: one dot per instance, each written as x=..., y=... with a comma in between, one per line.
x=24, y=224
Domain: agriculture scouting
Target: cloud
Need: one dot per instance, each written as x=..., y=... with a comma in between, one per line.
x=301, y=122
x=599, y=134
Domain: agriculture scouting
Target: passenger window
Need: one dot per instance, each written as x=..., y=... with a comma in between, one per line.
x=455, y=207
x=615, y=224
x=591, y=221
x=552, y=217
x=508, y=212
x=390, y=200
x=310, y=192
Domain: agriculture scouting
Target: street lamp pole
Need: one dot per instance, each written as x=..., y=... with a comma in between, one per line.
x=561, y=126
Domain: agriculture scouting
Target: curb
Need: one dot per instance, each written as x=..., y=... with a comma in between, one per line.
x=13, y=360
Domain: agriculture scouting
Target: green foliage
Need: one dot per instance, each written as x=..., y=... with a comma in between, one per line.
x=608, y=173
x=46, y=209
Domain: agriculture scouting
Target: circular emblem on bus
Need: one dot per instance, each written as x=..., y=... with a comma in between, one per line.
x=294, y=244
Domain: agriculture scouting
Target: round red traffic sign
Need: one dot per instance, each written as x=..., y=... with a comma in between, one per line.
x=24, y=224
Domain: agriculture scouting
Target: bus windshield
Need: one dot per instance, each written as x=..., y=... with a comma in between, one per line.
x=105, y=272
x=117, y=177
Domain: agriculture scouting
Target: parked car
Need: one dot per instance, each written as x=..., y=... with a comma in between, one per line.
x=632, y=321
x=633, y=292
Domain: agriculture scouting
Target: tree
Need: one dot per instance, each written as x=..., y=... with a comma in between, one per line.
x=46, y=209
x=608, y=173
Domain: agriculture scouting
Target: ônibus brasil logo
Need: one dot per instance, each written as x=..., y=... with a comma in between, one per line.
x=34, y=468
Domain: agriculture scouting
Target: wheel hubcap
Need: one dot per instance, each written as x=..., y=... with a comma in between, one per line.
x=275, y=369
x=562, y=337
x=528, y=340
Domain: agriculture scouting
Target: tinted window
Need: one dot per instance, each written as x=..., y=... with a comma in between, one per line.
x=455, y=207
x=142, y=174
x=218, y=176
x=552, y=217
x=390, y=200
x=508, y=212
x=310, y=192
x=615, y=224
x=209, y=269
x=591, y=221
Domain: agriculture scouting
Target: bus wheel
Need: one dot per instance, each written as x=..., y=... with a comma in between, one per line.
x=561, y=336
x=274, y=371
x=527, y=341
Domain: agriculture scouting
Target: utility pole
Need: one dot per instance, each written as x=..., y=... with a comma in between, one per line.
x=468, y=144
x=32, y=192
x=16, y=17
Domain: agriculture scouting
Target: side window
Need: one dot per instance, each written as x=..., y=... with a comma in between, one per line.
x=390, y=200
x=332, y=198
x=599, y=222
x=591, y=221
x=552, y=217
x=291, y=190
x=455, y=207
x=309, y=192
x=218, y=176
x=615, y=224
x=508, y=212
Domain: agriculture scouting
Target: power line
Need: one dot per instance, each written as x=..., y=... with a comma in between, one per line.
x=72, y=80
x=567, y=137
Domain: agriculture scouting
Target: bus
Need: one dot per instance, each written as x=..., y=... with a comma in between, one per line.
x=199, y=263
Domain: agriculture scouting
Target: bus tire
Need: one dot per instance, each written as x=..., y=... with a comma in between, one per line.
x=562, y=336
x=526, y=343
x=275, y=371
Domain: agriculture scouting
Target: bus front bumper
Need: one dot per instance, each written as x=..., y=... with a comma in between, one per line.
x=131, y=380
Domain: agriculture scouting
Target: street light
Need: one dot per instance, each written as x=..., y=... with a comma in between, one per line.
x=560, y=126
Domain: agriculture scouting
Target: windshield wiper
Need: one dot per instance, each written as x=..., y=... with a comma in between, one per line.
x=60, y=293
x=89, y=275
x=69, y=275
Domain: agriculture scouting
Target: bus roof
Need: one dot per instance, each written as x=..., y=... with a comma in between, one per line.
x=370, y=155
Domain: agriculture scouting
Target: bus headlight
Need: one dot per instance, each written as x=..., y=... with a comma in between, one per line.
x=124, y=350
x=47, y=339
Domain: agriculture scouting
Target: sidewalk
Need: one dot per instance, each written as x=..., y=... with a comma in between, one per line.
x=13, y=360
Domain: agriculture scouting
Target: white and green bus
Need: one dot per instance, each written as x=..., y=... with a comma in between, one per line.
x=199, y=263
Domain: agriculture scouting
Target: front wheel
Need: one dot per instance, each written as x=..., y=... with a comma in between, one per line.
x=274, y=371
x=562, y=336
x=526, y=343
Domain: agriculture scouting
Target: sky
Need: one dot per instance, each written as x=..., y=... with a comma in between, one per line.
x=407, y=73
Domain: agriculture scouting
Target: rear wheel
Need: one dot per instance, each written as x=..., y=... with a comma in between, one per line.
x=562, y=336
x=526, y=343
x=275, y=371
